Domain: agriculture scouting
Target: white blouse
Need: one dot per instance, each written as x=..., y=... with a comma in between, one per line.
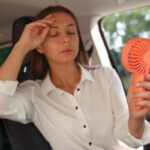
x=94, y=118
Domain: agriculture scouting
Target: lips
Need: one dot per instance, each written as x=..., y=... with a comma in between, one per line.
x=68, y=50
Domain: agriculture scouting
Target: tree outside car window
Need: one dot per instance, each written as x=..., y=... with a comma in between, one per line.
x=121, y=27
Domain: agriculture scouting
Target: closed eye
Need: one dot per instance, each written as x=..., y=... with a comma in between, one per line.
x=53, y=35
x=71, y=33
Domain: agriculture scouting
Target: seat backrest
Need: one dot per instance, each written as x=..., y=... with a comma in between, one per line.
x=17, y=29
x=24, y=137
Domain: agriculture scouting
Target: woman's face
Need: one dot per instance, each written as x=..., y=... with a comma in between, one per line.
x=62, y=42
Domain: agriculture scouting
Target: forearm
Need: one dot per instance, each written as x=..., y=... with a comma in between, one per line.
x=14, y=103
x=11, y=67
x=136, y=127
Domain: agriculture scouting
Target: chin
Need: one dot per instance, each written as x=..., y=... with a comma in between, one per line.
x=66, y=61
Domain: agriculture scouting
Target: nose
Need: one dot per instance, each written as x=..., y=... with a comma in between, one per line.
x=65, y=38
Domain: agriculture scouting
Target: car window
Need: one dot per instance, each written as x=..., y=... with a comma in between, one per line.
x=121, y=27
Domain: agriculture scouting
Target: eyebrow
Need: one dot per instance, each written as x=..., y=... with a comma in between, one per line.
x=69, y=25
x=56, y=27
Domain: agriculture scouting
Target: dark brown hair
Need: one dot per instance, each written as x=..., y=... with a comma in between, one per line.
x=38, y=61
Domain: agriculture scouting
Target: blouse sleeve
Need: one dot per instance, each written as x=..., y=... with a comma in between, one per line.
x=121, y=113
x=15, y=103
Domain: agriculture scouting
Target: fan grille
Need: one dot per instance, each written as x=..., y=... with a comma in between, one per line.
x=137, y=55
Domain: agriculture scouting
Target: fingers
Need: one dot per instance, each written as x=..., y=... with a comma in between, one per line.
x=50, y=16
x=44, y=32
x=144, y=95
x=40, y=27
x=145, y=84
x=37, y=30
x=148, y=77
x=141, y=100
x=145, y=103
x=31, y=26
x=47, y=21
x=42, y=23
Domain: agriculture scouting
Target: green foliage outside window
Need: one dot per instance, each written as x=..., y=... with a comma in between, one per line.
x=121, y=27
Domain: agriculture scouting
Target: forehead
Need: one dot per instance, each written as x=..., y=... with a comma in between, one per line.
x=62, y=18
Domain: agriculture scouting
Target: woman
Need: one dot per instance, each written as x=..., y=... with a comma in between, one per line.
x=74, y=108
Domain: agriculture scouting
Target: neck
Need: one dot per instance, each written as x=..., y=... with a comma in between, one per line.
x=65, y=74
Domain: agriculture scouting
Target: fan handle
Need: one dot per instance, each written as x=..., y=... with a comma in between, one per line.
x=137, y=78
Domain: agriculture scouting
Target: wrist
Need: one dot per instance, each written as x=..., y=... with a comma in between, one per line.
x=136, y=127
x=21, y=48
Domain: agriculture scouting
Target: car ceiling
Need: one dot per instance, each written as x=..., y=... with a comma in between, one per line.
x=85, y=10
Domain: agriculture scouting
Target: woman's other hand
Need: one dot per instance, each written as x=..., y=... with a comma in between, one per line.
x=137, y=116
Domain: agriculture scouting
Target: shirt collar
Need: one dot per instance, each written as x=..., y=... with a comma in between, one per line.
x=85, y=74
x=47, y=85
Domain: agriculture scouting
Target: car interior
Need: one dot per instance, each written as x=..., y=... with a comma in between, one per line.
x=106, y=26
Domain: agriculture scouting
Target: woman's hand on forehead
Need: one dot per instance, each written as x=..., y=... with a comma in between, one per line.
x=34, y=33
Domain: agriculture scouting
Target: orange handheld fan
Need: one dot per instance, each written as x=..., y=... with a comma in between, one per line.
x=136, y=59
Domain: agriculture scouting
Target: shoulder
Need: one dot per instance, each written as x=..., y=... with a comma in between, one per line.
x=103, y=74
x=106, y=76
x=102, y=71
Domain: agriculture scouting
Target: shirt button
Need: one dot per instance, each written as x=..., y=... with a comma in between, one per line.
x=84, y=126
x=90, y=143
x=78, y=89
x=76, y=107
